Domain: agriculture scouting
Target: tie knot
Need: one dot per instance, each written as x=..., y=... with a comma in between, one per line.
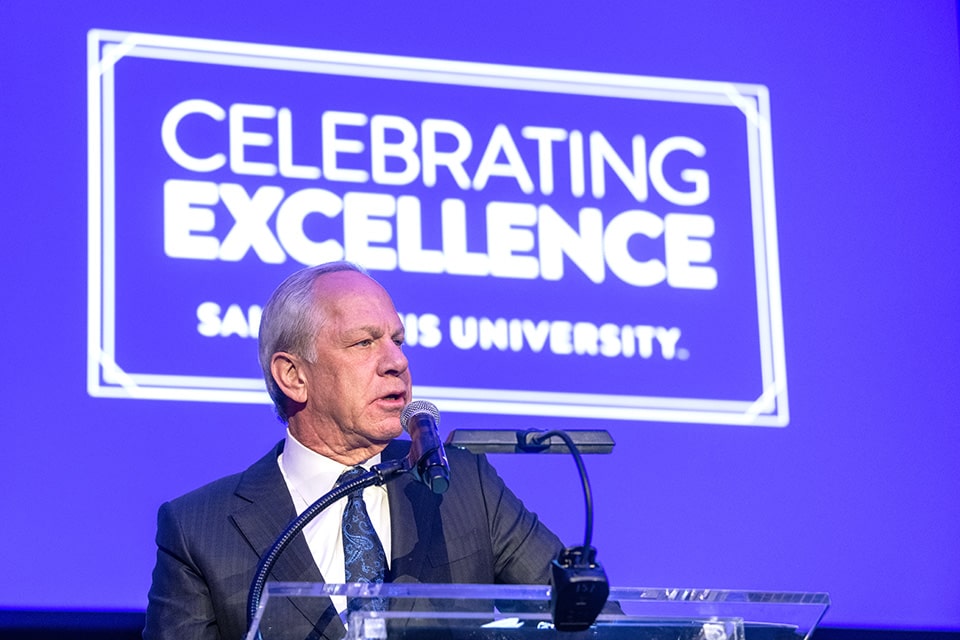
x=350, y=475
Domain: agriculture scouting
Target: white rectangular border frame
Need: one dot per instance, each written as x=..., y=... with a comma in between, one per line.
x=105, y=378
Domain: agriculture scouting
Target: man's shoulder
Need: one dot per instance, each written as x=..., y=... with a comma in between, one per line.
x=455, y=455
x=223, y=490
x=211, y=492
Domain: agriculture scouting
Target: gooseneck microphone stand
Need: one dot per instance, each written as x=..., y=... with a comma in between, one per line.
x=378, y=475
x=580, y=587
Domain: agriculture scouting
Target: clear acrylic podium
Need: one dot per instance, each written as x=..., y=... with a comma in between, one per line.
x=522, y=612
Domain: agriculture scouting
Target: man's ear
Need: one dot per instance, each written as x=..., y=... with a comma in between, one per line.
x=289, y=374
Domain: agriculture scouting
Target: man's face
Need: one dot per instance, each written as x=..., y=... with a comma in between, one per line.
x=359, y=382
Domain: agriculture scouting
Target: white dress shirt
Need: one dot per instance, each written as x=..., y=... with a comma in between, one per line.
x=309, y=476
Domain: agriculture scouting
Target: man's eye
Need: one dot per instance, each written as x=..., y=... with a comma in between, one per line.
x=364, y=343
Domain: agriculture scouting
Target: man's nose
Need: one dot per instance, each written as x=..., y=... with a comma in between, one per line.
x=394, y=361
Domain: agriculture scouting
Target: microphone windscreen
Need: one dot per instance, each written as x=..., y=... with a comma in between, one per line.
x=418, y=407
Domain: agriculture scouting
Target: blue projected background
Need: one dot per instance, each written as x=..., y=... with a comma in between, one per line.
x=725, y=234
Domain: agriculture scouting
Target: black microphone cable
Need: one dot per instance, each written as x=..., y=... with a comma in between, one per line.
x=539, y=438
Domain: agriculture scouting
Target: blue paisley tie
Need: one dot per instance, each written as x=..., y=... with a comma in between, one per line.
x=364, y=559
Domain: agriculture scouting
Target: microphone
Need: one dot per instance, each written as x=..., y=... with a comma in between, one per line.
x=427, y=459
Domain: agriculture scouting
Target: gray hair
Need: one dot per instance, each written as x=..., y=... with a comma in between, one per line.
x=289, y=323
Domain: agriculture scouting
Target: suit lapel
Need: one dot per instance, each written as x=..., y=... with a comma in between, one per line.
x=268, y=512
x=412, y=514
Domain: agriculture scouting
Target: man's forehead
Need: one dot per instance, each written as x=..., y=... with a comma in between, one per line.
x=353, y=295
x=348, y=287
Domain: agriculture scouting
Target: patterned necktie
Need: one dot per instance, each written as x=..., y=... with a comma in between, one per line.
x=364, y=558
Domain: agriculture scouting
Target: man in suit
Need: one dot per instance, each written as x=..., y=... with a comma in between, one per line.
x=331, y=351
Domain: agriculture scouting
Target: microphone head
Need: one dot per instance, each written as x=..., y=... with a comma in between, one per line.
x=426, y=459
x=419, y=407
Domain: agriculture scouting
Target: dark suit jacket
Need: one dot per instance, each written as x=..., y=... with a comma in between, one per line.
x=209, y=543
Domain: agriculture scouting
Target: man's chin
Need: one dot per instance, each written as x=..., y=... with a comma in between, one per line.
x=386, y=431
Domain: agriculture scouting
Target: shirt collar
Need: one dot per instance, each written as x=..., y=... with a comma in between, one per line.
x=311, y=473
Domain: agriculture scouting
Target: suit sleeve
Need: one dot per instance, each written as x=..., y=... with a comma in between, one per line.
x=179, y=602
x=523, y=546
